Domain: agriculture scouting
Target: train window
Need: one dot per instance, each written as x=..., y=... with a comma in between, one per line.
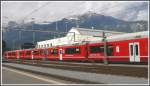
x=54, y=51
x=136, y=48
x=28, y=53
x=9, y=54
x=96, y=49
x=20, y=53
x=110, y=50
x=45, y=52
x=131, y=47
x=51, y=52
x=41, y=52
x=35, y=53
x=13, y=53
x=72, y=50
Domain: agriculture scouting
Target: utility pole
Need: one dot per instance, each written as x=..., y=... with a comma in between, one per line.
x=66, y=26
x=13, y=44
x=33, y=37
x=56, y=26
x=105, y=49
x=20, y=39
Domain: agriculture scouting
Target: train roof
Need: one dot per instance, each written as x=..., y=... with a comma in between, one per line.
x=126, y=36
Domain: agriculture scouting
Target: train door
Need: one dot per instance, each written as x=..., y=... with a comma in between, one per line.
x=134, y=52
x=60, y=54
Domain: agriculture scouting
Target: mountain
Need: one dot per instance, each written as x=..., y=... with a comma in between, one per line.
x=87, y=20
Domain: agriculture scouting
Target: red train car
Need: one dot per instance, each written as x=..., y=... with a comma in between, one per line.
x=73, y=52
x=28, y=54
x=38, y=54
x=52, y=53
x=133, y=50
x=131, y=47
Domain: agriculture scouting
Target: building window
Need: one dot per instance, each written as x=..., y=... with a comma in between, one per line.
x=47, y=45
x=72, y=50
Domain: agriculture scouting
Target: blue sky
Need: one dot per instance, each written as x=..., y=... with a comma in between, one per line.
x=55, y=10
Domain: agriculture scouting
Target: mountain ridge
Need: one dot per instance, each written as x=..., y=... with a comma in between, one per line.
x=86, y=20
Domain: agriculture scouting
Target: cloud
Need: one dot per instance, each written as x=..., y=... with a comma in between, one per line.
x=55, y=10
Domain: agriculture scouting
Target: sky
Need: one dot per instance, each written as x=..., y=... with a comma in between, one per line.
x=43, y=11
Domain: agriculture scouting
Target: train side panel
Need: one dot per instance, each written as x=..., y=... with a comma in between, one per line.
x=74, y=52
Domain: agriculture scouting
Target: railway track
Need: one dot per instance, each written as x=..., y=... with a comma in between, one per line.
x=141, y=71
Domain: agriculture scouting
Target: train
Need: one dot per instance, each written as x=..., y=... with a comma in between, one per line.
x=125, y=48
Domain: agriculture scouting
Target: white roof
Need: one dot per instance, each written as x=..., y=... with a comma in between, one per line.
x=93, y=32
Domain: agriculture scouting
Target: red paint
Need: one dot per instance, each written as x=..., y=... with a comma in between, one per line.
x=121, y=56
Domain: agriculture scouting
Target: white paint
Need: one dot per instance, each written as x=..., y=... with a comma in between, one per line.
x=133, y=56
x=117, y=49
x=32, y=55
x=137, y=57
x=33, y=76
x=60, y=54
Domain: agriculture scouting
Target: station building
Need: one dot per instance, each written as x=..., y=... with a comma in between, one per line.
x=77, y=35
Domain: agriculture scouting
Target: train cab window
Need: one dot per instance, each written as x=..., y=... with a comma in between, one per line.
x=96, y=49
x=72, y=50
